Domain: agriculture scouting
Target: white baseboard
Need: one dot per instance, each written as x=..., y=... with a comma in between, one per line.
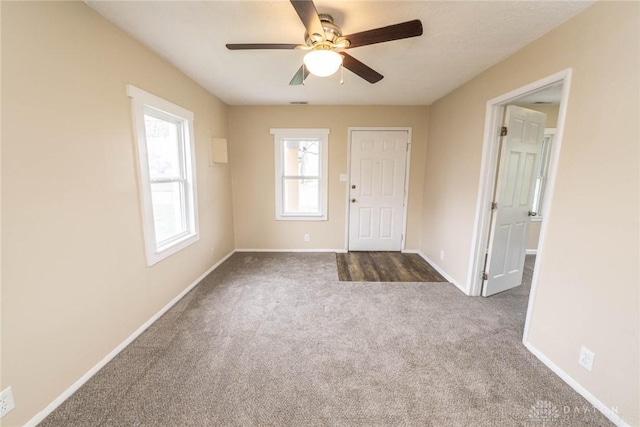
x=443, y=273
x=532, y=252
x=340, y=251
x=606, y=411
x=80, y=382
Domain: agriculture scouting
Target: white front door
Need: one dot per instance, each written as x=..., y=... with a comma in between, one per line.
x=513, y=199
x=376, y=189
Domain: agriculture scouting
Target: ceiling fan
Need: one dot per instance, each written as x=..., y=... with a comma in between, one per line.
x=326, y=43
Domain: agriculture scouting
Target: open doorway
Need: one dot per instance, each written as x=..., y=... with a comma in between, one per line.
x=549, y=95
x=519, y=155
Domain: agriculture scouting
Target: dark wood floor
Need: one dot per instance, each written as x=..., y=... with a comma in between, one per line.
x=385, y=267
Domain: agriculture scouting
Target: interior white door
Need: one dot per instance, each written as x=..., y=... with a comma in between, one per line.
x=513, y=198
x=376, y=189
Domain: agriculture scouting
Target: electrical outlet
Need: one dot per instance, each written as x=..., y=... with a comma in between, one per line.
x=586, y=358
x=441, y=255
x=306, y=237
x=6, y=401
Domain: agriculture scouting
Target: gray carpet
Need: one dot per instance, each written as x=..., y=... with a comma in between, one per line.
x=277, y=340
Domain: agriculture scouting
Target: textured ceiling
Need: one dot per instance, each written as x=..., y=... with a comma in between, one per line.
x=461, y=39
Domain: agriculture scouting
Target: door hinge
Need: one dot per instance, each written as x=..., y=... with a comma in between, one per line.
x=503, y=131
x=402, y=237
x=485, y=276
x=494, y=205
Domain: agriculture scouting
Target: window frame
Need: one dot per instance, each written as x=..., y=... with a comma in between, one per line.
x=279, y=136
x=144, y=103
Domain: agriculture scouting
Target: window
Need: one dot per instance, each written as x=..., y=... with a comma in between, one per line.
x=301, y=160
x=541, y=180
x=166, y=162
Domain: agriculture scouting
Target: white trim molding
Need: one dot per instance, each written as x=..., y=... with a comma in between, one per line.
x=91, y=372
x=292, y=135
x=441, y=271
x=142, y=104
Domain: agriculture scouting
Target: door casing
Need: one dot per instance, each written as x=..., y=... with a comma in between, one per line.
x=406, y=181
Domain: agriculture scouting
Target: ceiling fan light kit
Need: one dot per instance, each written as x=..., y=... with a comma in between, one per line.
x=322, y=62
x=325, y=38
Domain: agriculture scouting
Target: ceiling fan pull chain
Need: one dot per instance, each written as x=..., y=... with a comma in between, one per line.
x=304, y=72
x=341, y=74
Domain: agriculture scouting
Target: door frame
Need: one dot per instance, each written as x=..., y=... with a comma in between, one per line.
x=488, y=168
x=405, y=201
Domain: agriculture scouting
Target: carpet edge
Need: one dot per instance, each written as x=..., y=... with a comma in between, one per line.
x=40, y=416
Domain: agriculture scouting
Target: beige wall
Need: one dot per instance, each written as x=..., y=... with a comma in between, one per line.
x=74, y=278
x=252, y=160
x=533, y=234
x=588, y=287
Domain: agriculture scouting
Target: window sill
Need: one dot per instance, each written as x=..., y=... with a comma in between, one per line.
x=169, y=249
x=301, y=217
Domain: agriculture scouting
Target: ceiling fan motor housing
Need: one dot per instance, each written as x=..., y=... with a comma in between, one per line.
x=332, y=32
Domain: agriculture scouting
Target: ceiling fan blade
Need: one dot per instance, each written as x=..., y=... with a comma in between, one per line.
x=357, y=67
x=300, y=76
x=403, y=30
x=245, y=46
x=309, y=16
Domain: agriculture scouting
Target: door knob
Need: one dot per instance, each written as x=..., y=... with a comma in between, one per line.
x=353, y=200
x=531, y=213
